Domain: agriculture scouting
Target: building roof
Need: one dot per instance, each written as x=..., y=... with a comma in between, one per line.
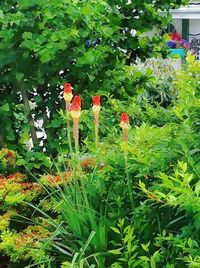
x=192, y=11
x=194, y=2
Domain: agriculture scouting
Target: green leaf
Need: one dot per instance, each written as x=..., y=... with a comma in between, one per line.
x=116, y=265
x=88, y=58
x=55, y=123
x=116, y=230
x=86, y=10
x=74, y=32
x=190, y=243
x=1, y=14
x=197, y=188
x=144, y=258
x=19, y=76
x=21, y=162
x=10, y=136
x=45, y=57
x=38, y=98
x=91, y=77
x=5, y=108
x=27, y=35
x=108, y=31
x=55, y=37
x=115, y=251
x=145, y=247
x=7, y=57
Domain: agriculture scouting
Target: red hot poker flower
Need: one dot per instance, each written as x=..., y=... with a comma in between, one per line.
x=77, y=99
x=75, y=114
x=76, y=107
x=67, y=88
x=96, y=109
x=124, y=118
x=96, y=104
x=68, y=95
x=96, y=100
x=124, y=124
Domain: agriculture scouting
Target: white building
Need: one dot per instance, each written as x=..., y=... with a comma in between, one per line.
x=186, y=21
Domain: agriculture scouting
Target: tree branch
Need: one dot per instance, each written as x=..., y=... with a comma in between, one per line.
x=27, y=112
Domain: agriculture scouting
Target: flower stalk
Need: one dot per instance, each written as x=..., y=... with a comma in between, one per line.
x=124, y=124
x=96, y=109
x=75, y=114
x=68, y=97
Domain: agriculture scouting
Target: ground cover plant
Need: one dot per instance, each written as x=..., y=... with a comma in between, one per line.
x=129, y=198
x=15, y=189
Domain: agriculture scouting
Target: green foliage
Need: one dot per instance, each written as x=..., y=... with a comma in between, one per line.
x=7, y=160
x=90, y=43
x=17, y=235
x=11, y=161
x=127, y=248
x=160, y=210
x=132, y=204
x=18, y=245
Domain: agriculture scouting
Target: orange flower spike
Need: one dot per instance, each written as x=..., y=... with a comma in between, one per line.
x=76, y=107
x=96, y=103
x=124, y=121
x=124, y=124
x=96, y=109
x=68, y=95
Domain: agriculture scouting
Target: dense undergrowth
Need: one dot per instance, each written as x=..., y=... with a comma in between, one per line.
x=114, y=203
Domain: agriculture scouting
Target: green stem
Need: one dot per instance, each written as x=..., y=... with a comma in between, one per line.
x=77, y=148
x=96, y=126
x=96, y=136
x=76, y=141
x=69, y=136
x=128, y=180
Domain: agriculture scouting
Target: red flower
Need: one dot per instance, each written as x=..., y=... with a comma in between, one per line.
x=68, y=95
x=124, y=118
x=124, y=124
x=96, y=100
x=176, y=37
x=96, y=104
x=76, y=107
x=76, y=103
x=96, y=109
x=67, y=88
